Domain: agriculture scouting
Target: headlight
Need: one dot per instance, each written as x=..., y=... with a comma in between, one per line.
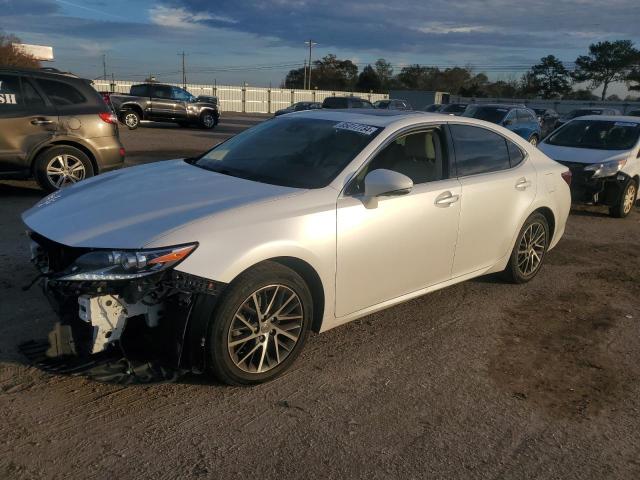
x=606, y=169
x=125, y=264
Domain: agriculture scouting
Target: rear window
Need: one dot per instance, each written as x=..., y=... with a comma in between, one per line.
x=61, y=94
x=597, y=134
x=489, y=114
x=335, y=102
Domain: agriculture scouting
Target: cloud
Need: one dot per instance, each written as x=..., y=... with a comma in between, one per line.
x=179, y=17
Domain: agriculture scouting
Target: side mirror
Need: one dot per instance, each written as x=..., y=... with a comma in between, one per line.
x=383, y=182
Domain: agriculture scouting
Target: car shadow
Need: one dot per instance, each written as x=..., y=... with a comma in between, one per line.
x=21, y=189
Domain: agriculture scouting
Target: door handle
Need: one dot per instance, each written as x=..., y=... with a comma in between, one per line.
x=523, y=184
x=446, y=199
x=41, y=121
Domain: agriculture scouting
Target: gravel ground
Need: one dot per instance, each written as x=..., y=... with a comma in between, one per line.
x=480, y=380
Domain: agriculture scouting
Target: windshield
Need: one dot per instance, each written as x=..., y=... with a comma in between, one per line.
x=597, y=134
x=583, y=113
x=489, y=114
x=292, y=152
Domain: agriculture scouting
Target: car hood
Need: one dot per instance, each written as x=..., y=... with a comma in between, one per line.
x=129, y=208
x=582, y=155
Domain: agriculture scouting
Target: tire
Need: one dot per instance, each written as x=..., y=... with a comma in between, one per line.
x=522, y=266
x=627, y=200
x=207, y=120
x=534, y=140
x=59, y=167
x=131, y=119
x=239, y=355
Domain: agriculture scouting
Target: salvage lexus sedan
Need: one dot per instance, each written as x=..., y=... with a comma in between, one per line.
x=227, y=261
x=603, y=154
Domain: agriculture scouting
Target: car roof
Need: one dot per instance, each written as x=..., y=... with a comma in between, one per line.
x=500, y=105
x=44, y=72
x=611, y=118
x=374, y=117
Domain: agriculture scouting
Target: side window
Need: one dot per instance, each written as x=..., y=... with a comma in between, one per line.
x=10, y=97
x=31, y=97
x=511, y=117
x=139, y=91
x=179, y=94
x=516, y=155
x=421, y=156
x=161, y=92
x=479, y=150
x=61, y=94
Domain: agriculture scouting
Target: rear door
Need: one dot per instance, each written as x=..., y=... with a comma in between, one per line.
x=162, y=103
x=26, y=121
x=498, y=186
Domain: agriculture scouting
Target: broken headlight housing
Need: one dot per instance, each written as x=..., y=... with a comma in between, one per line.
x=607, y=169
x=125, y=264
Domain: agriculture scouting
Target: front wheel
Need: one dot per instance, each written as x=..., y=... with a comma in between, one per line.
x=260, y=325
x=626, y=201
x=529, y=251
x=207, y=120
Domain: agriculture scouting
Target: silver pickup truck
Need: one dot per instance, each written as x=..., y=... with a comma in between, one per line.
x=164, y=103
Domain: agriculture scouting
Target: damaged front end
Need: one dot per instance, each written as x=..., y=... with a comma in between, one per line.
x=126, y=308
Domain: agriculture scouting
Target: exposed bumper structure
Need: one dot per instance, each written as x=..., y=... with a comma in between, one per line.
x=595, y=191
x=142, y=320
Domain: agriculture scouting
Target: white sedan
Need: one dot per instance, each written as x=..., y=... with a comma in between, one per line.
x=603, y=154
x=304, y=222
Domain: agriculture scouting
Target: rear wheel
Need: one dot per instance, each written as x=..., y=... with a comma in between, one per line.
x=59, y=167
x=626, y=201
x=260, y=326
x=529, y=251
x=131, y=119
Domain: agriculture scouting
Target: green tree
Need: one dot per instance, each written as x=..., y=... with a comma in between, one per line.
x=549, y=78
x=331, y=73
x=606, y=62
x=384, y=70
x=295, y=78
x=10, y=56
x=368, y=80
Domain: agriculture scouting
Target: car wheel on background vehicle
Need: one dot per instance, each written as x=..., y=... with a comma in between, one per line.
x=626, y=201
x=131, y=119
x=59, y=167
x=529, y=251
x=260, y=325
x=533, y=140
x=207, y=120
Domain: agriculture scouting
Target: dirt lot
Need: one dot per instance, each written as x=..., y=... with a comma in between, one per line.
x=480, y=380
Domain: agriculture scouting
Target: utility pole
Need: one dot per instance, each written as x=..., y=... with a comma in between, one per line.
x=104, y=66
x=304, y=83
x=184, y=72
x=311, y=44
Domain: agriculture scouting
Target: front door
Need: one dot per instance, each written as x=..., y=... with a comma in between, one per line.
x=26, y=121
x=407, y=242
x=162, y=102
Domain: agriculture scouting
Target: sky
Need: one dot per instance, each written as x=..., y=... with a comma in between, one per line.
x=258, y=42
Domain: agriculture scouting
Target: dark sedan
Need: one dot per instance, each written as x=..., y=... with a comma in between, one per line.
x=298, y=107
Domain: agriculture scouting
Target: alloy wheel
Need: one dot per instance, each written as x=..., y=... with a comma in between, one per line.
x=131, y=120
x=265, y=329
x=207, y=120
x=531, y=248
x=629, y=198
x=64, y=170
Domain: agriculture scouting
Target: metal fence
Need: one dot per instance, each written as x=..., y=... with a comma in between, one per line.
x=246, y=99
x=560, y=106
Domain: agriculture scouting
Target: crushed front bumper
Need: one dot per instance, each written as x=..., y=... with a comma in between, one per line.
x=595, y=191
x=144, y=321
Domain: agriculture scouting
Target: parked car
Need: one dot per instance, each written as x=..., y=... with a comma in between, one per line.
x=548, y=119
x=517, y=118
x=298, y=107
x=454, y=108
x=432, y=108
x=602, y=153
x=633, y=113
x=164, y=103
x=582, y=112
x=304, y=222
x=346, y=102
x=55, y=128
x=393, y=104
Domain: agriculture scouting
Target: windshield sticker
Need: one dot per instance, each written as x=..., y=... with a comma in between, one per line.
x=625, y=124
x=357, y=127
